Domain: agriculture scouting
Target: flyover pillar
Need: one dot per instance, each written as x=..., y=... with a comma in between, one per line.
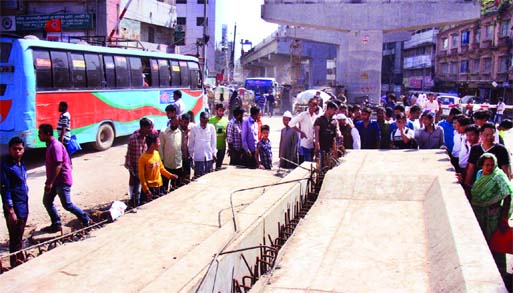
x=359, y=57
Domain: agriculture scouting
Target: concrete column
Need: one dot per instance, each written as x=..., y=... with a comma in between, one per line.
x=398, y=58
x=359, y=64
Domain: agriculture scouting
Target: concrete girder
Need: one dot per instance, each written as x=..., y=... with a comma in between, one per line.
x=336, y=37
x=357, y=83
x=372, y=15
x=359, y=57
x=261, y=52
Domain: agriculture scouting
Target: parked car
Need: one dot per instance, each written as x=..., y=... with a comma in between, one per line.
x=448, y=102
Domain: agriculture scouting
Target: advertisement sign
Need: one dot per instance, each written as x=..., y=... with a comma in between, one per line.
x=38, y=22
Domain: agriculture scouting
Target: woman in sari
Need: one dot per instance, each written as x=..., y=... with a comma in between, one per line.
x=491, y=202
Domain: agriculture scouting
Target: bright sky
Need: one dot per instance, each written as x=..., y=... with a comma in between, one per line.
x=246, y=14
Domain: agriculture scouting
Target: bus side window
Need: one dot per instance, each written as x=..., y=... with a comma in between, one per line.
x=110, y=76
x=145, y=63
x=122, y=78
x=195, y=75
x=78, y=70
x=175, y=78
x=93, y=70
x=136, y=72
x=60, y=68
x=43, y=67
x=164, y=73
x=154, y=76
x=184, y=74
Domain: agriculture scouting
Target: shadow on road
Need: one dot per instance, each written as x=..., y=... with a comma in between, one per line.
x=35, y=158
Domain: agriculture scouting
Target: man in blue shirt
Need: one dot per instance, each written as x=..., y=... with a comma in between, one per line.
x=250, y=136
x=446, y=124
x=370, y=132
x=14, y=192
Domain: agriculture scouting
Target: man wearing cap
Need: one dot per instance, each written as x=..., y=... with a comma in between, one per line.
x=288, y=144
x=431, y=136
x=305, y=128
x=350, y=135
x=202, y=146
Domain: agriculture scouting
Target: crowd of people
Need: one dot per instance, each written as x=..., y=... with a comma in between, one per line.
x=159, y=161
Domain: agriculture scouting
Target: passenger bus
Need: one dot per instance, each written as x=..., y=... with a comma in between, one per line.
x=108, y=90
x=262, y=85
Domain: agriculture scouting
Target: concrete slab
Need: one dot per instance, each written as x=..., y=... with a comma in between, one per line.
x=387, y=221
x=133, y=252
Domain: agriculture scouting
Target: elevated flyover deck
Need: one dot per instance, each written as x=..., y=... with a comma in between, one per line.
x=387, y=221
x=166, y=245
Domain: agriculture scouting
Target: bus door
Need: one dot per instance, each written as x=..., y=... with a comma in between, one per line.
x=10, y=93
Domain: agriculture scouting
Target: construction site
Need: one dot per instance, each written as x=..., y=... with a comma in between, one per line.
x=350, y=229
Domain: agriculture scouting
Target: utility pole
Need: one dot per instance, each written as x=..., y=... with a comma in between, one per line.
x=232, y=54
x=205, y=40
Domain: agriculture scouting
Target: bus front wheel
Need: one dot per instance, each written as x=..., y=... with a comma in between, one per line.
x=104, y=137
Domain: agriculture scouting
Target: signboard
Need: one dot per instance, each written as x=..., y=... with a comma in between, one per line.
x=37, y=22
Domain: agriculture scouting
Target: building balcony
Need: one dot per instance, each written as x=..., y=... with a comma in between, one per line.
x=502, y=76
x=451, y=76
x=486, y=44
x=442, y=53
x=464, y=48
x=454, y=51
x=464, y=76
x=475, y=46
x=504, y=41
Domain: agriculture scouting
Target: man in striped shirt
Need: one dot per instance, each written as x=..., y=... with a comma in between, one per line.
x=234, y=137
x=64, y=125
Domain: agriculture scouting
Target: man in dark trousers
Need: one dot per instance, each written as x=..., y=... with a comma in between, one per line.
x=58, y=181
x=14, y=192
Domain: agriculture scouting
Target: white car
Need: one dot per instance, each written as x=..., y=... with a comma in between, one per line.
x=447, y=103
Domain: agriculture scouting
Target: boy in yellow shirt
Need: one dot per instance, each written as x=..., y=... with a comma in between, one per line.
x=151, y=168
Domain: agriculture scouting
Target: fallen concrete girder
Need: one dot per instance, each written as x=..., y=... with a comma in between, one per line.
x=387, y=221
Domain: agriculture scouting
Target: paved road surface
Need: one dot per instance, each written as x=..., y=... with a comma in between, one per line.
x=99, y=179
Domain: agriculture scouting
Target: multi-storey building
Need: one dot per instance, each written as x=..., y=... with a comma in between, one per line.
x=391, y=68
x=475, y=57
x=191, y=20
x=151, y=22
x=419, y=60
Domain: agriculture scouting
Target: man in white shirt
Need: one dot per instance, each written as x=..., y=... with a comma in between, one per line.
x=501, y=107
x=179, y=104
x=202, y=146
x=432, y=104
x=170, y=152
x=306, y=122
